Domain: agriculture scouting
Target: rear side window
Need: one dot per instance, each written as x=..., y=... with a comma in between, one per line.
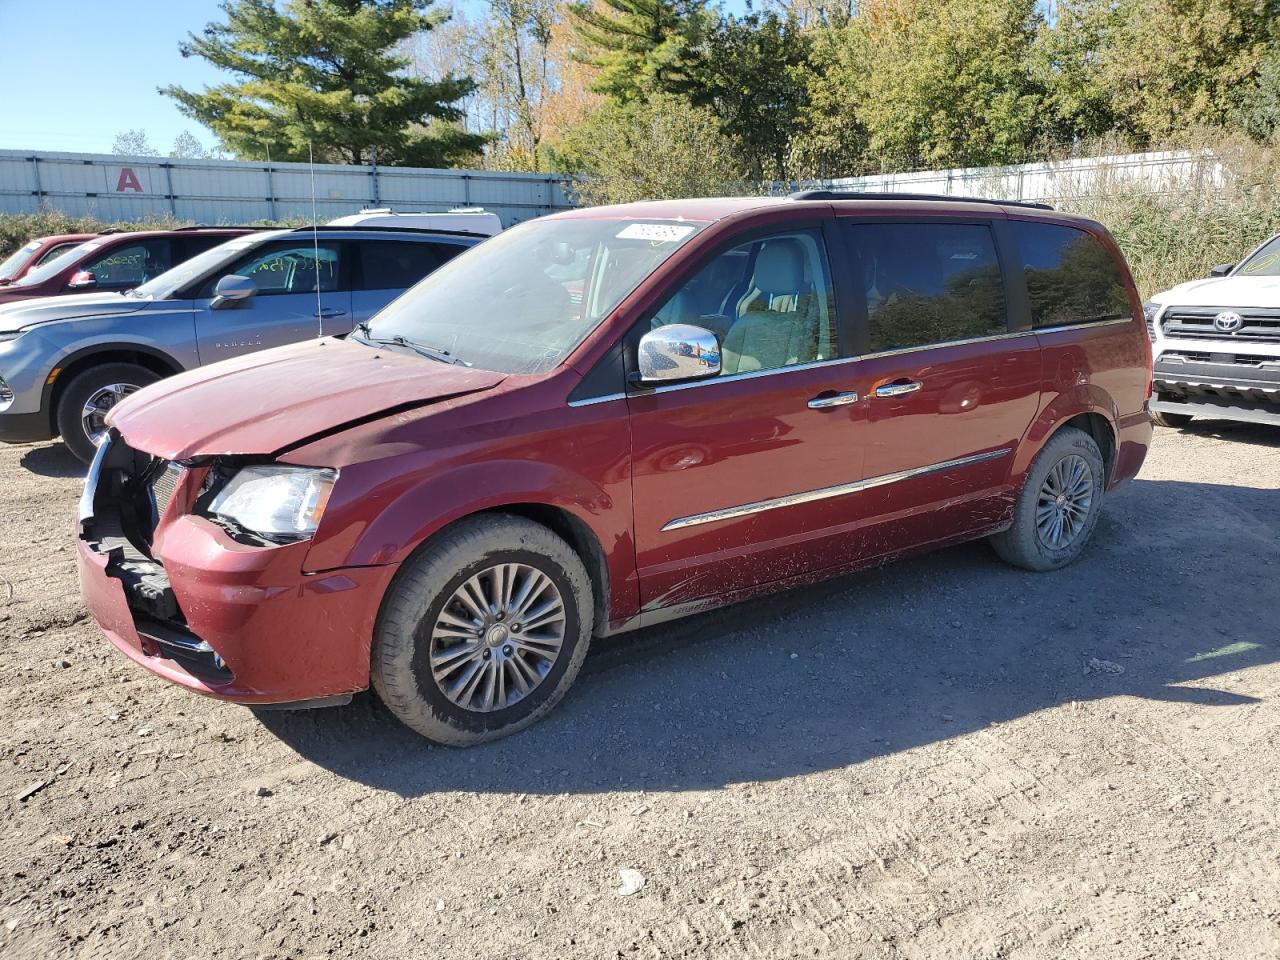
x=395, y=265
x=184, y=248
x=56, y=250
x=1071, y=277
x=128, y=265
x=928, y=283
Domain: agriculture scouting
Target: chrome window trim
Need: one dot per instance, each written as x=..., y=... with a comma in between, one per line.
x=900, y=351
x=823, y=493
x=592, y=400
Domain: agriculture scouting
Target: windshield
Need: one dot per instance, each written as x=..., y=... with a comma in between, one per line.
x=48, y=269
x=1264, y=263
x=521, y=301
x=17, y=260
x=173, y=279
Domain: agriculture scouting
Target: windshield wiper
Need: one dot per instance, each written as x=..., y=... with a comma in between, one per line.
x=421, y=349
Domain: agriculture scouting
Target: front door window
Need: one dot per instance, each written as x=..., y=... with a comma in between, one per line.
x=768, y=302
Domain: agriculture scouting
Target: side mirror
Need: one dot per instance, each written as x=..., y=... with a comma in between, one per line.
x=1222, y=269
x=82, y=280
x=679, y=351
x=232, y=289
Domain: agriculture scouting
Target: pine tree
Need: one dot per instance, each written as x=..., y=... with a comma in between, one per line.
x=636, y=45
x=326, y=74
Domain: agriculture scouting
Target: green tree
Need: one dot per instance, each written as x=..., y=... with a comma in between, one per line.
x=1259, y=111
x=1153, y=69
x=830, y=139
x=636, y=46
x=750, y=72
x=327, y=74
x=948, y=82
x=133, y=143
x=658, y=148
x=187, y=147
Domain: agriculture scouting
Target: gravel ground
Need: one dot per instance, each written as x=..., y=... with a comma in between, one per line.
x=946, y=758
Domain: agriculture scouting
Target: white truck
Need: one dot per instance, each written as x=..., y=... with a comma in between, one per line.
x=1216, y=343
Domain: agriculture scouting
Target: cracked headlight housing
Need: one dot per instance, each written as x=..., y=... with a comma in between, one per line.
x=277, y=503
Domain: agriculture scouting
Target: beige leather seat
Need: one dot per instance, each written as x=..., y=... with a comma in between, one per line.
x=777, y=319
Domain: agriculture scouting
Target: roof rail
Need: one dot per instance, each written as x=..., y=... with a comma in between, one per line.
x=218, y=226
x=862, y=195
x=327, y=227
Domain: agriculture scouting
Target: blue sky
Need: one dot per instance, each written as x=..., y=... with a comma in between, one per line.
x=77, y=72
x=74, y=73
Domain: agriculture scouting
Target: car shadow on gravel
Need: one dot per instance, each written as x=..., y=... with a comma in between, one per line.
x=1254, y=434
x=52, y=460
x=827, y=676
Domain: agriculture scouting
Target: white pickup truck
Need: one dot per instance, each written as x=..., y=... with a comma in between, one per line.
x=1216, y=343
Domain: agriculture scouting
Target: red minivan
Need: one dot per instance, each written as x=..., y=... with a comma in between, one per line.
x=114, y=261
x=607, y=418
x=37, y=251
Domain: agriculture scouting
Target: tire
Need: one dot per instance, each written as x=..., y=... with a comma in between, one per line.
x=84, y=387
x=1171, y=419
x=428, y=588
x=1025, y=544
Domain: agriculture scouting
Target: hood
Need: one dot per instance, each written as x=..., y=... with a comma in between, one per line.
x=1239, y=292
x=26, y=313
x=264, y=402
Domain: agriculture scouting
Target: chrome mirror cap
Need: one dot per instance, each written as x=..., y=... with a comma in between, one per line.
x=232, y=288
x=679, y=351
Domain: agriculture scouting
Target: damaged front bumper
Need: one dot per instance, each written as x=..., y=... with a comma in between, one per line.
x=174, y=593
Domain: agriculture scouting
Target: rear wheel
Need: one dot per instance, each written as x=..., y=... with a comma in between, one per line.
x=1059, y=504
x=483, y=632
x=89, y=397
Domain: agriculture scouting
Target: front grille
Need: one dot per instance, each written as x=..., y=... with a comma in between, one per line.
x=1197, y=323
x=1239, y=359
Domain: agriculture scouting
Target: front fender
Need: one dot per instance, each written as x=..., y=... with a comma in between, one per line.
x=383, y=510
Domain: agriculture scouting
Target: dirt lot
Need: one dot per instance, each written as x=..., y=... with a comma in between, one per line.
x=943, y=759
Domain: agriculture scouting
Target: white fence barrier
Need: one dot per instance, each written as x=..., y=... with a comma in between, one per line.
x=229, y=191
x=1052, y=181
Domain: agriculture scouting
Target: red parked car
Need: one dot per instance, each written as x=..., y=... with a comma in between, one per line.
x=115, y=261
x=723, y=398
x=38, y=251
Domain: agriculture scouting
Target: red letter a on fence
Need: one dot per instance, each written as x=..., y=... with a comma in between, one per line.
x=128, y=181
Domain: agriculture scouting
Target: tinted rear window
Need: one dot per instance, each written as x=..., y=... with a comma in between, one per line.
x=928, y=283
x=1071, y=277
x=395, y=265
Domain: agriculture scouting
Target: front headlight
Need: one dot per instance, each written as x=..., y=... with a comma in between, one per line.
x=280, y=503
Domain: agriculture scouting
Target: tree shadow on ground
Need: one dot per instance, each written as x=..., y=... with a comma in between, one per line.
x=832, y=675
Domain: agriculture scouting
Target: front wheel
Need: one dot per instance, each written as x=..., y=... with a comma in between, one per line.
x=483, y=632
x=1059, y=504
x=89, y=397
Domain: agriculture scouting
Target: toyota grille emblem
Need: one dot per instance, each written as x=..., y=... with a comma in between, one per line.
x=1228, y=322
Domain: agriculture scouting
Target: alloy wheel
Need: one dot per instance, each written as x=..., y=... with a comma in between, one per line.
x=1066, y=497
x=99, y=404
x=497, y=637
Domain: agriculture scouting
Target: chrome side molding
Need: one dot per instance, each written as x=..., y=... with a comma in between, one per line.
x=823, y=493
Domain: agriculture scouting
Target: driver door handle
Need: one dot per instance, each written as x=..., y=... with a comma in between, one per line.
x=328, y=312
x=834, y=400
x=898, y=388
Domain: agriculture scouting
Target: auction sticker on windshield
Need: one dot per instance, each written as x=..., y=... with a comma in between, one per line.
x=661, y=232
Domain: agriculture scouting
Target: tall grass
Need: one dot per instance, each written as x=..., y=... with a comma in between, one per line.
x=1215, y=215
